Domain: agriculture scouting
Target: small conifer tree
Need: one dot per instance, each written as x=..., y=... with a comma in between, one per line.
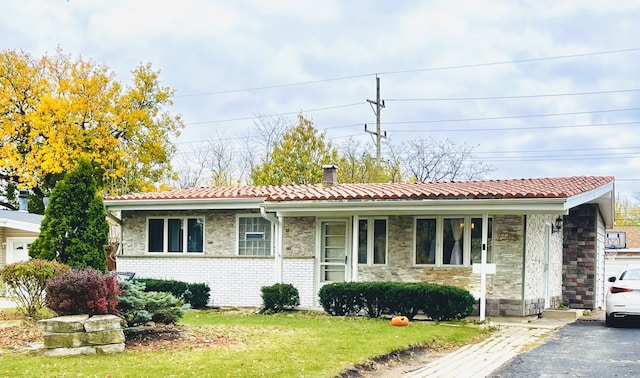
x=74, y=230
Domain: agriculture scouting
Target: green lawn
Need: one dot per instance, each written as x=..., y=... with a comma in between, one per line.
x=300, y=344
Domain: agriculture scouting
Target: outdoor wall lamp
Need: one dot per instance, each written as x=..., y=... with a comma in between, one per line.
x=557, y=225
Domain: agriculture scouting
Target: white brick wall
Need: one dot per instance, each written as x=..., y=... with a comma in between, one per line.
x=233, y=281
x=300, y=273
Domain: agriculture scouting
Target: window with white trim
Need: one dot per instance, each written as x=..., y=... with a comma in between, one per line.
x=372, y=241
x=175, y=235
x=451, y=241
x=254, y=235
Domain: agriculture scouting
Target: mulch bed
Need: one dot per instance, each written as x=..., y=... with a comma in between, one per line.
x=17, y=338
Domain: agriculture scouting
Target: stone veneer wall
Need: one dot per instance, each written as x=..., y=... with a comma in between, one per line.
x=504, y=290
x=580, y=256
x=538, y=227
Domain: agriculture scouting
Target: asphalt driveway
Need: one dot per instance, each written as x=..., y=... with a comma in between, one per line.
x=581, y=349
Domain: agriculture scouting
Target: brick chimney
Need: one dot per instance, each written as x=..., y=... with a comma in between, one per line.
x=329, y=175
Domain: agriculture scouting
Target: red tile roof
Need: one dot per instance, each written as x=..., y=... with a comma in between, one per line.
x=560, y=187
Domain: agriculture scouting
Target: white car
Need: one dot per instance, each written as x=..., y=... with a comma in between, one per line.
x=623, y=297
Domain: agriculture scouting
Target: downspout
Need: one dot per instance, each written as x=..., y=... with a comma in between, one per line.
x=277, y=222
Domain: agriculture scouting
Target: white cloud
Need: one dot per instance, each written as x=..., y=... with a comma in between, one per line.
x=219, y=46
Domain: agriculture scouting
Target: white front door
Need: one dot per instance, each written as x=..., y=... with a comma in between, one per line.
x=18, y=249
x=333, y=251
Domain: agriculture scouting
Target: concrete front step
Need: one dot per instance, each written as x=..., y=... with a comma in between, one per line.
x=569, y=314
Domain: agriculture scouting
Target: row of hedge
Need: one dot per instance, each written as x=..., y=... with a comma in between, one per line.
x=196, y=294
x=439, y=302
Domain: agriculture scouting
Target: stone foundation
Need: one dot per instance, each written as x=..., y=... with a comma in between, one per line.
x=81, y=334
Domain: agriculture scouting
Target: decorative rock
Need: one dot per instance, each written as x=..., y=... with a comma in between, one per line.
x=64, y=340
x=110, y=349
x=105, y=337
x=61, y=352
x=102, y=323
x=64, y=324
x=82, y=335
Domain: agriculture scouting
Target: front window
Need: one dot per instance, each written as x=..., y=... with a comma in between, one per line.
x=451, y=241
x=175, y=235
x=372, y=241
x=476, y=241
x=425, y=241
x=254, y=236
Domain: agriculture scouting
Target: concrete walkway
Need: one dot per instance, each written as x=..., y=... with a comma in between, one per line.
x=513, y=336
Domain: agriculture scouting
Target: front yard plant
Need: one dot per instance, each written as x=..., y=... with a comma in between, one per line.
x=27, y=281
x=240, y=343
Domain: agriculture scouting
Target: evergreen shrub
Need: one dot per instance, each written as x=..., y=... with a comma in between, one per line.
x=341, y=298
x=279, y=297
x=137, y=306
x=196, y=294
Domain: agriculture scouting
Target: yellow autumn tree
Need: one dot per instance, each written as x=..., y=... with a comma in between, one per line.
x=297, y=158
x=55, y=109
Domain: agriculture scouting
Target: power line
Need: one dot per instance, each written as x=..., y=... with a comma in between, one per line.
x=512, y=128
x=274, y=115
x=394, y=72
x=561, y=150
x=513, y=97
x=510, y=117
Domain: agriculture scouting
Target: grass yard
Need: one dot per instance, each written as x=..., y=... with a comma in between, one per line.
x=244, y=344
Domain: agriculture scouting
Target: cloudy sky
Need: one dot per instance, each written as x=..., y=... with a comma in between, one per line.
x=540, y=88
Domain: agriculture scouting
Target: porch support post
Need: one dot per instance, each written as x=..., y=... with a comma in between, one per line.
x=483, y=267
x=354, y=248
x=278, y=251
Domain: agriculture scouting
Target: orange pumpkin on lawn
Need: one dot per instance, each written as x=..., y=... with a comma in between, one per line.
x=400, y=321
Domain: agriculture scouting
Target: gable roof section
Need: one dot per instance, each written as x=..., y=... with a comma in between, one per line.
x=19, y=220
x=548, y=195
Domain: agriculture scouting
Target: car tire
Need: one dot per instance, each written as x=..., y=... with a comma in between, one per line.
x=608, y=320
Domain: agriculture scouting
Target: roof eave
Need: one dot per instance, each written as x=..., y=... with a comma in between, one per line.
x=184, y=204
x=603, y=196
x=418, y=207
x=20, y=225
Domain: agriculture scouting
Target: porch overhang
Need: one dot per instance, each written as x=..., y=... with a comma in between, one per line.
x=419, y=207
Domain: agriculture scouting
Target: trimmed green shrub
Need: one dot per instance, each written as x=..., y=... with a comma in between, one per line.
x=407, y=299
x=279, y=297
x=138, y=307
x=341, y=298
x=375, y=297
x=199, y=295
x=27, y=281
x=448, y=303
x=439, y=302
x=196, y=294
x=85, y=291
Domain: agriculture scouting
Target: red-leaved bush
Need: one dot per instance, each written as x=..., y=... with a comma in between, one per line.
x=86, y=291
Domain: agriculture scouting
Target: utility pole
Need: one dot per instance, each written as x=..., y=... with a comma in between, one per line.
x=378, y=106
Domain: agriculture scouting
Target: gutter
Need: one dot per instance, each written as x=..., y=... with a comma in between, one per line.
x=268, y=216
x=184, y=204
